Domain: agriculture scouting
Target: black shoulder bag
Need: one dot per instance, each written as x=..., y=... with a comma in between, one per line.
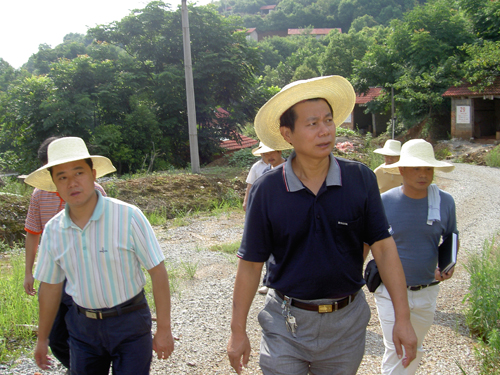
x=372, y=277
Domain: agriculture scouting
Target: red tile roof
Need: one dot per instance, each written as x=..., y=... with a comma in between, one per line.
x=313, y=31
x=372, y=93
x=463, y=90
x=266, y=7
x=244, y=142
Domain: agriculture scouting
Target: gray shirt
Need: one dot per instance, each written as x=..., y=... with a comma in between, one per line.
x=418, y=242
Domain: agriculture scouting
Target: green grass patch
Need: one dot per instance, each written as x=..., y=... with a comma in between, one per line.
x=18, y=311
x=483, y=312
x=493, y=157
x=157, y=217
x=227, y=248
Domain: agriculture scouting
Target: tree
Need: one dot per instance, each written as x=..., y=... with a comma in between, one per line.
x=223, y=71
x=341, y=52
x=482, y=67
x=420, y=58
x=485, y=16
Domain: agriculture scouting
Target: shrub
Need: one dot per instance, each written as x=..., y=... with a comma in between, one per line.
x=493, y=158
x=483, y=312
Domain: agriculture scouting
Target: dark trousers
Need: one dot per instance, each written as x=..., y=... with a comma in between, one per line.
x=58, y=338
x=125, y=341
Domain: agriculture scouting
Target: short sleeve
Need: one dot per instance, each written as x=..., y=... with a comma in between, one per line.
x=33, y=223
x=146, y=245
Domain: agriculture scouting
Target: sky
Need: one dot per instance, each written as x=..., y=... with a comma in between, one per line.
x=24, y=25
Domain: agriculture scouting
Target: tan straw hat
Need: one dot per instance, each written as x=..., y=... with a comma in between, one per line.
x=66, y=150
x=418, y=153
x=262, y=149
x=335, y=89
x=391, y=148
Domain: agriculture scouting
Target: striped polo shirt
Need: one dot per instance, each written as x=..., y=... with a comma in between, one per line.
x=44, y=205
x=102, y=262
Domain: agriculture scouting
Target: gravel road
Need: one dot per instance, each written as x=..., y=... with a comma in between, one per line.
x=201, y=307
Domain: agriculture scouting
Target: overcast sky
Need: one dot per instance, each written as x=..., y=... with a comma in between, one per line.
x=24, y=25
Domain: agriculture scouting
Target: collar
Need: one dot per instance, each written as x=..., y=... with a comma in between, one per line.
x=98, y=210
x=292, y=182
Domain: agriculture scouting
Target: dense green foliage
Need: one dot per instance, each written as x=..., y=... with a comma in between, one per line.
x=121, y=87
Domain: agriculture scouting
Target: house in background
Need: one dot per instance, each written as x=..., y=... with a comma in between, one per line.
x=252, y=34
x=266, y=9
x=241, y=141
x=318, y=33
x=475, y=114
x=375, y=123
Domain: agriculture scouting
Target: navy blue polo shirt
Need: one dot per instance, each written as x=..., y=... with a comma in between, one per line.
x=316, y=240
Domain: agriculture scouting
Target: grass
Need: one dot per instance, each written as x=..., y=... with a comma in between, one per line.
x=18, y=311
x=493, y=158
x=483, y=311
x=16, y=187
x=228, y=248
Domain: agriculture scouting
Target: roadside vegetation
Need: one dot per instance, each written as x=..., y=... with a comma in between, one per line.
x=483, y=305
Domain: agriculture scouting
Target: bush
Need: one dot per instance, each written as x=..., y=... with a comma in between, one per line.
x=493, y=158
x=483, y=313
x=242, y=158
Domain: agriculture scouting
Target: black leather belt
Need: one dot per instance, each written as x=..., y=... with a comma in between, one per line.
x=124, y=308
x=340, y=304
x=420, y=287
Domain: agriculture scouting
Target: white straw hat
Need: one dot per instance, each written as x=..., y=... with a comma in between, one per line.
x=262, y=149
x=391, y=148
x=66, y=150
x=335, y=89
x=418, y=153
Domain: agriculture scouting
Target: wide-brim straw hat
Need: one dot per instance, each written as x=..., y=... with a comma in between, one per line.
x=66, y=150
x=391, y=148
x=335, y=89
x=262, y=149
x=418, y=153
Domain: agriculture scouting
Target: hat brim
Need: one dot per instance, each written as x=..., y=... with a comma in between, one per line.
x=418, y=162
x=261, y=150
x=335, y=89
x=386, y=152
x=42, y=179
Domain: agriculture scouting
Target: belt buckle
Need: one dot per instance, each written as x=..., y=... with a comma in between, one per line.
x=93, y=314
x=322, y=309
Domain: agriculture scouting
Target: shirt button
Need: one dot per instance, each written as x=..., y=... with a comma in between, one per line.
x=317, y=217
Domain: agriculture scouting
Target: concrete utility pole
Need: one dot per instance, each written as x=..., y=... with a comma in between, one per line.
x=393, y=119
x=191, y=110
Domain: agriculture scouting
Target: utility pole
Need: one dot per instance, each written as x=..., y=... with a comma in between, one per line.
x=191, y=110
x=393, y=119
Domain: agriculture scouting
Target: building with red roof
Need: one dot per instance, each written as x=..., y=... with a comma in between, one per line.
x=317, y=32
x=475, y=114
x=374, y=123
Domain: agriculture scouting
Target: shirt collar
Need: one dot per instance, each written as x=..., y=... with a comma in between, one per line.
x=292, y=182
x=98, y=210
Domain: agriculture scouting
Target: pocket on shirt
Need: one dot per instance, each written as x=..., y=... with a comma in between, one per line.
x=348, y=234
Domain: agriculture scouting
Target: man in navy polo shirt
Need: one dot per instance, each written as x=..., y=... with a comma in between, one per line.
x=313, y=214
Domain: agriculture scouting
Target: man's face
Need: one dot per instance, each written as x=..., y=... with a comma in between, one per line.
x=417, y=179
x=74, y=182
x=273, y=158
x=314, y=133
x=390, y=159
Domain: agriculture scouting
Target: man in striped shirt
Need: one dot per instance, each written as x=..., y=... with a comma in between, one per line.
x=43, y=206
x=99, y=245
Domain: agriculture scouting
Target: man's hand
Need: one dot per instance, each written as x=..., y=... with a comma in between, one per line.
x=163, y=343
x=238, y=351
x=42, y=359
x=29, y=281
x=439, y=276
x=404, y=335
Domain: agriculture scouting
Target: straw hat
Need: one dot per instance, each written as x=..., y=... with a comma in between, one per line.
x=66, y=150
x=418, y=153
x=262, y=149
x=335, y=89
x=391, y=148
